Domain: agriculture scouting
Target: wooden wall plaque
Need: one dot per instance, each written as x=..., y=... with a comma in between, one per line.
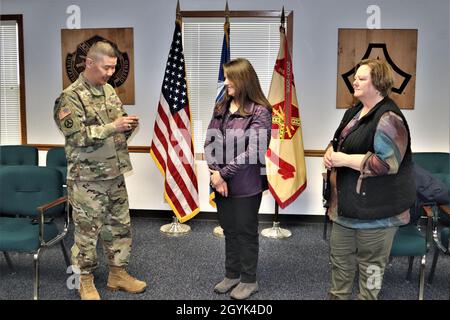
x=397, y=46
x=76, y=42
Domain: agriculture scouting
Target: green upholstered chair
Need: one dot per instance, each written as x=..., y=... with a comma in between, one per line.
x=410, y=241
x=438, y=164
x=441, y=235
x=14, y=155
x=56, y=158
x=31, y=200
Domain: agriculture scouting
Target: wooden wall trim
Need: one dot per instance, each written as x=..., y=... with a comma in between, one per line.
x=46, y=147
x=146, y=149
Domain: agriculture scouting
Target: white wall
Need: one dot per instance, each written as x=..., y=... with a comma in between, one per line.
x=315, y=67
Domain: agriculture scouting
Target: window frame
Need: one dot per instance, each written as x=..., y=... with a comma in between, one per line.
x=289, y=22
x=23, y=116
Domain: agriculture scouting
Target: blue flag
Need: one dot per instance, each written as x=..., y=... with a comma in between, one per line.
x=225, y=57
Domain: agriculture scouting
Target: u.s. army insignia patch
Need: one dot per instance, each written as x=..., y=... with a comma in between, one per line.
x=64, y=112
x=68, y=123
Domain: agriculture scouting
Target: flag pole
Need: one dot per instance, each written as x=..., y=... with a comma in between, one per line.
x=176, y=228
x=276, y=232
x=218, y=231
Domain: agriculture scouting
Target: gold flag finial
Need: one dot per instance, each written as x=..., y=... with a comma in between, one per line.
x=283, y=20
x=178, y=11
x=226, y=25
x=227, y=12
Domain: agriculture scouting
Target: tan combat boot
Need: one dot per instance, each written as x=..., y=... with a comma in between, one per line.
x=119, y=279
x=87, y=289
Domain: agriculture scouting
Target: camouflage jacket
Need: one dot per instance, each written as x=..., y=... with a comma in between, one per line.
x=94, y=148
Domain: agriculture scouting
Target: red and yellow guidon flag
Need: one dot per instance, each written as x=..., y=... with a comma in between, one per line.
x=285, y=158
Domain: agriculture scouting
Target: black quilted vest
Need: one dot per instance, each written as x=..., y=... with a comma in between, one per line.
x=380, y=196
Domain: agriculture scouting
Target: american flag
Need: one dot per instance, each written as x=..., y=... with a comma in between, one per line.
x=172, y=148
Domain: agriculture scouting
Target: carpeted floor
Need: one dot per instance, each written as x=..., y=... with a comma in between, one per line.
x=187, y=267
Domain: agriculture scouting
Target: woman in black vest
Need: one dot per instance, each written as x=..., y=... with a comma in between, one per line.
x=372, y=186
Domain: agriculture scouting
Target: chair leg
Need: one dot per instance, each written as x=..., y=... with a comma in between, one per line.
x=66, y=256
x=422, y=277
x=8, y=261
x=36, y=276
x=433, y=265
x=411, y=262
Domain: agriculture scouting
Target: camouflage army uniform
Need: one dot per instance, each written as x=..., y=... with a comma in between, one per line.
x=97, y=157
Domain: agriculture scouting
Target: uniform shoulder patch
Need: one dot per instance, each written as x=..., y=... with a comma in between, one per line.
x=64, y=112
x=68, y=123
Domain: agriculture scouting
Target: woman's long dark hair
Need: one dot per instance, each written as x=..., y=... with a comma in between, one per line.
x=246, y=84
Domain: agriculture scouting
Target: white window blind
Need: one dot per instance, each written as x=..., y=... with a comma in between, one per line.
x=10, y=132
x=256, y=39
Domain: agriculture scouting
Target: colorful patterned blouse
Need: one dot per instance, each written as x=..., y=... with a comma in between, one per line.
x=390, y=143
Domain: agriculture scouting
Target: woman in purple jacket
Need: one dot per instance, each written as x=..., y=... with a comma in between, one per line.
x=237, y=140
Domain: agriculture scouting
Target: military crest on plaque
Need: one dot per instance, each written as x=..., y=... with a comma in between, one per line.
x=75, y=45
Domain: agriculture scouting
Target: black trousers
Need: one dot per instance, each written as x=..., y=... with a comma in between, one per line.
x=238, y=218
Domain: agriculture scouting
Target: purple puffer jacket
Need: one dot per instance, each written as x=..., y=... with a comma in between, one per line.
x=236, y=146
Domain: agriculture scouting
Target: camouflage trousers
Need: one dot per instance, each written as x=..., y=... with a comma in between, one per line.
x=100, y=211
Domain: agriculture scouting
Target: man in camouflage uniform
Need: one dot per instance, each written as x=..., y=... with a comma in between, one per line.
x=96, y=129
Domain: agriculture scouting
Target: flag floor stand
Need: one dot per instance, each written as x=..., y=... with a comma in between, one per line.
x=175, y=228
x=218, y=232
x=276, y=232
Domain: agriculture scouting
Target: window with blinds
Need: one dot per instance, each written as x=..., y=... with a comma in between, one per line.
x=256, y=39
x=10, y=124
